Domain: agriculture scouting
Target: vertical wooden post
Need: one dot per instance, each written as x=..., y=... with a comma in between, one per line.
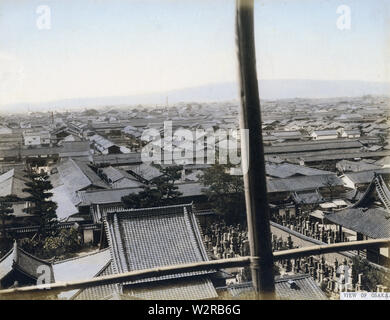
x=253, y=153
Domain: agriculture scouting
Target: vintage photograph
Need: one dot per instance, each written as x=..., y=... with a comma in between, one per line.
x=222, y=150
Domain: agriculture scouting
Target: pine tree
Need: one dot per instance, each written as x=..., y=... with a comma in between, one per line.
x=40, y=207
x=6, y=211
x=165, y=183
x=160, y=192
x=225, y=192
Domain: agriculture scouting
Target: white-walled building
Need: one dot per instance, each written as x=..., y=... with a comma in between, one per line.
x=36, y=138
x=350, y=134
x=324, y=134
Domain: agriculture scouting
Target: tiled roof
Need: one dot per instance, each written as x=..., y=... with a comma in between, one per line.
x=12, y=182
x=77, y=175
x=101, y=142
x=145, y=171
x=105, y=196
x=312, y=146
x=108, y=196
x=113, y=174
x=126, y=183
x=75, y=149
x=65, y=202
x=6, y=264
x=148, y=238
x=6, y=182
x=115, y=159
x=363, y=177
x=325, y=132
x=373, y=223
x=155, y=237
x=352, y=195
x=119, y=178
x=90, y=174
x=80, y=268
x=296, y=287
x=286, y=133
x=327, y=155
x=307, y=197
x=302, y=183
x=19, y=259
x=101, y=292
x=195, y=288
x=366, y=197
x=355, y=166
x=285, y=170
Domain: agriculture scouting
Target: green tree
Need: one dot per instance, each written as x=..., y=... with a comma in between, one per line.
x=148, y=197
x=225, y=192
x=64, y=244
x=159, y=192
x=330, y=183
x=42, y=209
x=166, y=183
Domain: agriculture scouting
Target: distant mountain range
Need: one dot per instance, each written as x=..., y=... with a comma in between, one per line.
x=269, y=90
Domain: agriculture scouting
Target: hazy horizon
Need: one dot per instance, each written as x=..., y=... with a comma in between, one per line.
x=95, y=50
x=270, y=90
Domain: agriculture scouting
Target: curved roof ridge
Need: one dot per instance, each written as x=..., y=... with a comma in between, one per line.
x=366, y=193
x=47, y=261
x=128, y=210
x=7, y=254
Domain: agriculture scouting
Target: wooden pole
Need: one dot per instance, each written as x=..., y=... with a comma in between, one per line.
x=331, y=248
x=254, y=179
x=36, y=292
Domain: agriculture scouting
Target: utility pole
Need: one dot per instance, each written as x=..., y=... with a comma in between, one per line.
x=258, y=215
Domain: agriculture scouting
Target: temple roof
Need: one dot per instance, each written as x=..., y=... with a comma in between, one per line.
x=156, y=237
x=80, y=268
x=373, y=223
x=366, y=216
x=194, y=288
x=101, y=292
x=296, y=287
x=148, y=238
x=364, y=177
x=376, y=190
x=18, y=259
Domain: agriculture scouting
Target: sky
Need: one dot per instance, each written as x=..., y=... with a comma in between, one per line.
x=107, y=48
